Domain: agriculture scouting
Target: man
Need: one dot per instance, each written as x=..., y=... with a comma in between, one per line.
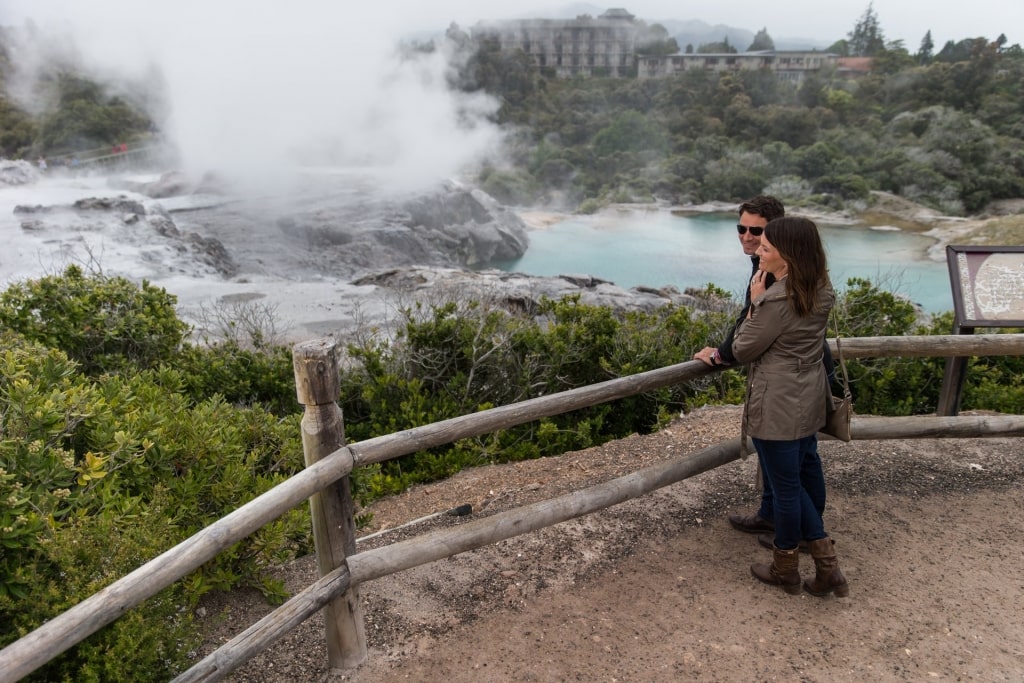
x=754, y=216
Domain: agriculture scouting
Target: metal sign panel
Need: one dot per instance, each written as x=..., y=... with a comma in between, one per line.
x=988, y=285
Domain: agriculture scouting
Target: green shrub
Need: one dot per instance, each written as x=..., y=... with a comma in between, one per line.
x=510, y=187
x=80, y=557
x=459, y=357
x=103, y=323
x=243, y=377
x=100, y=475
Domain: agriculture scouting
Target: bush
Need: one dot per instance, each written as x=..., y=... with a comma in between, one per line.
x=458, y=357
x=105, y=324
x=510, y=187
x=847, y=185
x=243, y=377
x=77, y=559
x=99, y=475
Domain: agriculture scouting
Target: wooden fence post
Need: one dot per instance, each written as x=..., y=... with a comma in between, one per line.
x=334, y=531
x=953, y=380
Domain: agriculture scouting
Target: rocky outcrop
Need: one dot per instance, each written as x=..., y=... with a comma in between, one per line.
x=470, y=223
x=120, y=205
x=371, y=248
x=170, y=184
x=523, y=293
x=452, y=226
x=18, y=172
x=144, y=222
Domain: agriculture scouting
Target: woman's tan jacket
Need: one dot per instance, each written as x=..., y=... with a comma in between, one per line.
x=786, y=381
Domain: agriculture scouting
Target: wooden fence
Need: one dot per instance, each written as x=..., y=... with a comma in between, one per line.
x=325, y=483
x=132, y=154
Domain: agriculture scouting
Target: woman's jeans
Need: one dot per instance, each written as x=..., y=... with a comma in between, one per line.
x=793, y=470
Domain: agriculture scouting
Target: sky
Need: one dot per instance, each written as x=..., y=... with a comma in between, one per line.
x=829, y=21
x=254, y=83
x=900, y=19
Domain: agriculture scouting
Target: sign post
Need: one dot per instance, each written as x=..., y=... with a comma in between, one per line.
x=988, y=291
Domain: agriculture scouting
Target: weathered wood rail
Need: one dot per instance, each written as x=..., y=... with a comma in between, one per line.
x=324, y=483
x=136, y=153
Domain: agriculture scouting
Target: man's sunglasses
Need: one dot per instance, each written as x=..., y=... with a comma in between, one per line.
x=756, y=232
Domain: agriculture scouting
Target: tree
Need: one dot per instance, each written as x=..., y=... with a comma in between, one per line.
x=103, y=323
x=954, y=52
x=927, y=50
x=17, y=130
x=762, y=41
x=892, y=59
x=629, y=131
x=841, y=48
x=717, y=48
x=866, y=38
x=655, y=41
x=490, y=69
x=459, y=39
x=85, y=116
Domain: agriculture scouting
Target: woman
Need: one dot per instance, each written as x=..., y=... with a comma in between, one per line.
x=787, y=388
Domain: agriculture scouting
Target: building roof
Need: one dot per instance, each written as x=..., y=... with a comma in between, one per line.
x=617, y=13
x=861, y=65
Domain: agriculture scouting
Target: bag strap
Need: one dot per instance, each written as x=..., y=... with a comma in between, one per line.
x=842, y=361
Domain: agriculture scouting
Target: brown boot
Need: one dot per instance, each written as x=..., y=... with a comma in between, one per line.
x=783, y=571
x=827, y=577
x=768, y=541
x=751, y=524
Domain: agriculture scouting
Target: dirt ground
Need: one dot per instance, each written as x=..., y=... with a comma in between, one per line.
x=928, y=533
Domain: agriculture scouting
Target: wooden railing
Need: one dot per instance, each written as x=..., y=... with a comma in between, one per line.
x=325, y=483
x=134, y=153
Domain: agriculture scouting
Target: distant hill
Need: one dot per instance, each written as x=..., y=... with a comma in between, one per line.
x=696, y=32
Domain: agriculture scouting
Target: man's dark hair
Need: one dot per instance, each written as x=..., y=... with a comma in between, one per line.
x=766, y=206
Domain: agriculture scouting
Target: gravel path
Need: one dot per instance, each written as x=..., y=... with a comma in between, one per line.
x=658, y=589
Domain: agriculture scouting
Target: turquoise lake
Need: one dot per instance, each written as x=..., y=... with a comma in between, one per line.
x=658, y=248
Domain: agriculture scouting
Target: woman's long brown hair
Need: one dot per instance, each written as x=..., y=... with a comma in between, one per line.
x=799, y=245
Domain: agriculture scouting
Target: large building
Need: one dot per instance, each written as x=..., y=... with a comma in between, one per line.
x=607, y=46
x=790, y=66
x=585, y=46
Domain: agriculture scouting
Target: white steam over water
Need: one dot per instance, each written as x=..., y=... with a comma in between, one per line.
x=255, y=88
x=40, y=244
x=281, y=100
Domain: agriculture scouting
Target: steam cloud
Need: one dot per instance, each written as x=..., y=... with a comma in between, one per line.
x=258, y=87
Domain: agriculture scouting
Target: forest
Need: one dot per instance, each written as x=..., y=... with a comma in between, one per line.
x=944, y=130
